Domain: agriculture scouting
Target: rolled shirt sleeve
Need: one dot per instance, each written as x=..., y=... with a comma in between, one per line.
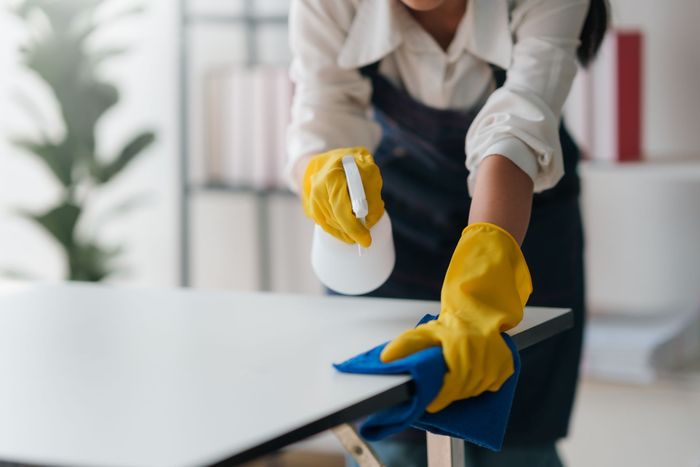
x=520, y=120
x=331, y=104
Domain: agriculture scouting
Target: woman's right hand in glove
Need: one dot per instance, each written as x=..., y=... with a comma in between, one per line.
x=326, y=199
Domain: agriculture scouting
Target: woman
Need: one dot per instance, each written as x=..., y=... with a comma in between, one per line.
x=452, y=111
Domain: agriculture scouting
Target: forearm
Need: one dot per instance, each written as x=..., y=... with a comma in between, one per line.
x=502, y=196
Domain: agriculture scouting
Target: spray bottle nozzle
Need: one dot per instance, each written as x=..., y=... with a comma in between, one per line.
x=356, y=191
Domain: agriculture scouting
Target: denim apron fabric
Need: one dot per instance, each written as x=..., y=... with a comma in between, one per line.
x=421, y=157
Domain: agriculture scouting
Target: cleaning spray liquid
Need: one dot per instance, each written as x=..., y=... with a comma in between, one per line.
x=351, y=269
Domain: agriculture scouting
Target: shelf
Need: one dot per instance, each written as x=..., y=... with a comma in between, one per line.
x=250, y=21
x=244, y=19
x=243, y=189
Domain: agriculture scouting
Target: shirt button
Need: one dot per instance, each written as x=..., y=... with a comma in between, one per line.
x=399, y=151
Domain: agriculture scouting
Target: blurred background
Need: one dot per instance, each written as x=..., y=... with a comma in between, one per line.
x=142, y=143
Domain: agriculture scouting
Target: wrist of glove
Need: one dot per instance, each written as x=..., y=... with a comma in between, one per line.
x=325, y=197
x=484, y=293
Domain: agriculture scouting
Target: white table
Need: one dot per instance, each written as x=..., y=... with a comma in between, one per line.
x=92, y=375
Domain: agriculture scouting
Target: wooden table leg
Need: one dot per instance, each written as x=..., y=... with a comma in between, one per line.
x=362, y=452
x=444, y=451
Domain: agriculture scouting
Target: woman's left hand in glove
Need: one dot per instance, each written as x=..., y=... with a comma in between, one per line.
x=484, y=293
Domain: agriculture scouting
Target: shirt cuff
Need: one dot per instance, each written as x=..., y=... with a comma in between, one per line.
x=291, y=174
x=516, y=151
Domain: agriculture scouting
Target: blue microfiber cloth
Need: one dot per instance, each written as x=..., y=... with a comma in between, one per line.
x=480, y=420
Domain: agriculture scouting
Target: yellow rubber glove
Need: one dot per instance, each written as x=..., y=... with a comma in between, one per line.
x=485, y=290
x=326, y=199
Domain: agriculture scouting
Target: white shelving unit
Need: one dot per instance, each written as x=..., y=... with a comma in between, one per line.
x=251, y=18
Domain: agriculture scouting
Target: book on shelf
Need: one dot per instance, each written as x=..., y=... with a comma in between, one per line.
x=604, y=110
x=248, y=110
x=215, y=94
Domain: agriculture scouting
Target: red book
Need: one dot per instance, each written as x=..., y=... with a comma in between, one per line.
x=629, y=96
x=604, y=110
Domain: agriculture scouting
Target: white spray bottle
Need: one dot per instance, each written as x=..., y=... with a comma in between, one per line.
x=351, y=269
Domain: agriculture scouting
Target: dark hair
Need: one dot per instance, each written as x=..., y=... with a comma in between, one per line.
x=593, y=31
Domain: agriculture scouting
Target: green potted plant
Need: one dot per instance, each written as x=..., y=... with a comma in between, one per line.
x=61, y=57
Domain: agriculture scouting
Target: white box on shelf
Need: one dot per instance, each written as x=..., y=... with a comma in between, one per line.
x=642, y=225
x=636, y=349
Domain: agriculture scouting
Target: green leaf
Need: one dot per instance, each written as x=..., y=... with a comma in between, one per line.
x=57, y=157
x=89, y=261
x=24, y=8
x=69, y=71
x=121, y=208
x=60, y=222
x=105, y=173
x=82, y=108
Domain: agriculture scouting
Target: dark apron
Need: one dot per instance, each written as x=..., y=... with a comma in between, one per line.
x=421, y=157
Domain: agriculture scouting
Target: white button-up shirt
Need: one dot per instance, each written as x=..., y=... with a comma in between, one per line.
x=534, y=40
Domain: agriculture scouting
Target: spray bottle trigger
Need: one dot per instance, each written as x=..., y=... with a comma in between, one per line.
x=355, y=187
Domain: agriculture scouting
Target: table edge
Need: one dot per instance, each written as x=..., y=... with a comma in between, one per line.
x=395, y=395
x=392, y=396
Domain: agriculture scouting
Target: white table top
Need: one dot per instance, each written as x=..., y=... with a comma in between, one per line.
x=93, y=375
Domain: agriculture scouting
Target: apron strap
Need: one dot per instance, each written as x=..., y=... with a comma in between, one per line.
x=499, y=75
x=370, y=70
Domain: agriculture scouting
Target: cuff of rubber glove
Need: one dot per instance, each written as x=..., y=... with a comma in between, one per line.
x=523, y=279
x=489, y=225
